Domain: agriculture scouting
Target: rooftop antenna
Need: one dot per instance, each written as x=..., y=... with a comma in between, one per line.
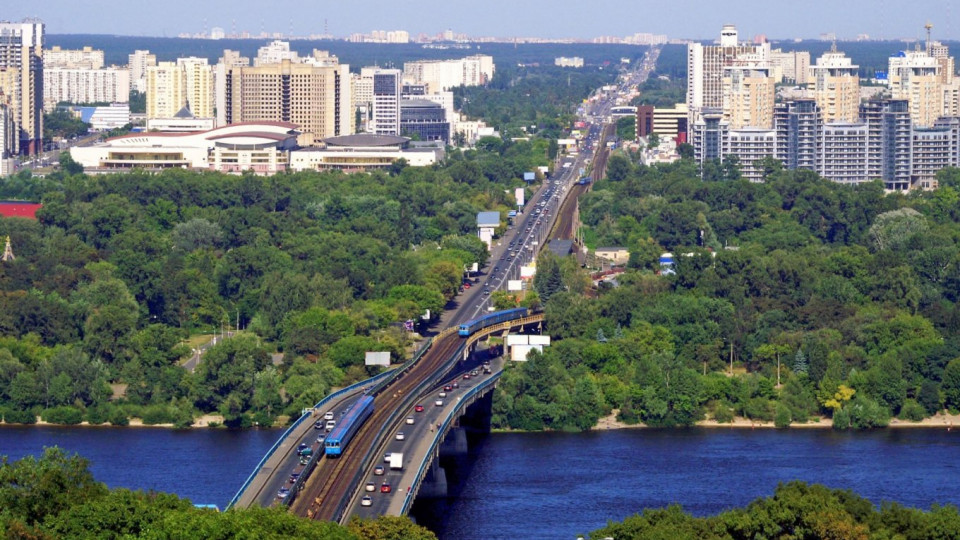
x=929, y=27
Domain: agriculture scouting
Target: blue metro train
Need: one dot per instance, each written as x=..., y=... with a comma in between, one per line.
x=348, y=425
x=497, y=317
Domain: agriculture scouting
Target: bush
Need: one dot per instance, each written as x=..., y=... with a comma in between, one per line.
x=157, y=414
x=723, y=413
x=866, y=413
x=63, y=415
x=758, y=409
x=98, y=414
x=912, y=411
x=14, y=416
x=118, y=417
x=841, y=419
x=782, y=417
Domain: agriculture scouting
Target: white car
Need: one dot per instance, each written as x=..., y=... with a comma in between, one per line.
x=443, y=394
x=410, y=420
x=399, y=436
x=438, y=403
x=370, y=487
x=328, y=415
x=366, y=501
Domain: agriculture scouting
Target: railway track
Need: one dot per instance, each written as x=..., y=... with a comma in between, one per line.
x=333, y=481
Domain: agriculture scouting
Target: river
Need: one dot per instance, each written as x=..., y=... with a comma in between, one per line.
x=553, y=485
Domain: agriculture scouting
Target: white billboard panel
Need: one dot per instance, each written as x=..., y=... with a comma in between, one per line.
x=514, y=285
x=516, y=339
x=520, y=352
x=377, y=359
x=539, y=340
x=520, y=195
x=527, y=272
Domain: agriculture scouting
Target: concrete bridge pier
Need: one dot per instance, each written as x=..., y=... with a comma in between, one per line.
x=434, y=485
x=455, y=443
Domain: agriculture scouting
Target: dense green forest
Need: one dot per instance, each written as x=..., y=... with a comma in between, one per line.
x=121, y=269
x=796, y=510
x=55, y=496
x=829, y=300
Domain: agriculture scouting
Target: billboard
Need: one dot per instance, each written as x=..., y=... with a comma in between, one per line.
x=377, y=359
x=513, y=340
x=527, y=271
x=514, y=285
x=529, y=177
x=519, y=352
x=520, y=194
x=539, y=340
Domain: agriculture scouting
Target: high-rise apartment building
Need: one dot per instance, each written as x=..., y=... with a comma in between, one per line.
x=706, y=64
x=166, y=90
x=790, y=66
x=748, y=95
x=387, y=84
x=915, y=76
x=275, y=52
x=836, y=87
x=441, y=75
x=74, y=85
x=198, y=78
x=315, y=98
x=228, y=61
x=21, y=83
x=138, y=62
x=85, y=58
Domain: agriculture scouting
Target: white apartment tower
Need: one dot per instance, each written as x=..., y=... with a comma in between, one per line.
x=138, y=62
x=705, y=68
x=387, y=86
x=836, y=87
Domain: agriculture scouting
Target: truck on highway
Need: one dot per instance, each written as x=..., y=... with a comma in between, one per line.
x=396, y=461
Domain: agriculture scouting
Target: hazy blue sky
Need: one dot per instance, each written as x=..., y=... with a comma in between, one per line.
x=544, y=18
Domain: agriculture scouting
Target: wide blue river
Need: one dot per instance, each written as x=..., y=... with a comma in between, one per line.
x=553, y=485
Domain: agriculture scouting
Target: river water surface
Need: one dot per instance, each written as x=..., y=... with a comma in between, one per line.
x=552, y=485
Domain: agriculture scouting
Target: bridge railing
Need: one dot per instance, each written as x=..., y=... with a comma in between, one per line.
x=438, y=440
x=290, y=430
x=374, y=451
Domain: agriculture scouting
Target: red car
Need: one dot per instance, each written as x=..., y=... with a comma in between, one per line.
x=447, y=388
x=466, y=376
x=418, y=408
x=384, y=488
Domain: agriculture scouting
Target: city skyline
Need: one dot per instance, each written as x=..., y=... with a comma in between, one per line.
x=548, y=19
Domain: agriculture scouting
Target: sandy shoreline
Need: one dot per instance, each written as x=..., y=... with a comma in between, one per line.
x=205, y=421
x=940, y=420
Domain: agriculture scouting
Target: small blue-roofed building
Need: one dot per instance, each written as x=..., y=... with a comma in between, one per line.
x=487, y=222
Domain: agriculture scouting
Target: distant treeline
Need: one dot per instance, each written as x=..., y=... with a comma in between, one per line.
x=117, y=48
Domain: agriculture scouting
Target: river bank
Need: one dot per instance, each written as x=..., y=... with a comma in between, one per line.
x=940, y=420
x=205, y=421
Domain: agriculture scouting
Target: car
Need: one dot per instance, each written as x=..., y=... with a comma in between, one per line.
x=386, y=457
x=293, y=477
x=418, y=408
x=370, y=487
x=455, y=384
x=486, y=292
x=321, y=437
x=306, y=452
x=328, y=415
x=304, y=460
x=443, y=394
x=447, y=388
x=318, y=424
x=399, y=436
x=379, y=470
x=410, y=420
x=466, y=376
x=302, y=446
x=438, y=403
x=385, y=487
x=366, y=501
x=474, y=373
x=283, y=493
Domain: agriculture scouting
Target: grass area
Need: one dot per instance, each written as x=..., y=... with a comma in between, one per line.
x=589, y=237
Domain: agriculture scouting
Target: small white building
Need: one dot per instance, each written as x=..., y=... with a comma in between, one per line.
x=363, y=152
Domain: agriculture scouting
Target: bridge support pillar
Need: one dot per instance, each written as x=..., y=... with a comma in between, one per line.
x=455, y=443
x=434, y=485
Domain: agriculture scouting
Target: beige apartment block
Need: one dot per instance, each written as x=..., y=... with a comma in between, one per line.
x=21, y=82
x=915, y=76
x=166, y=89
x=315, y=98
x=199, y=79
x=836, y=87
x=85, y=58
x=748, y=97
